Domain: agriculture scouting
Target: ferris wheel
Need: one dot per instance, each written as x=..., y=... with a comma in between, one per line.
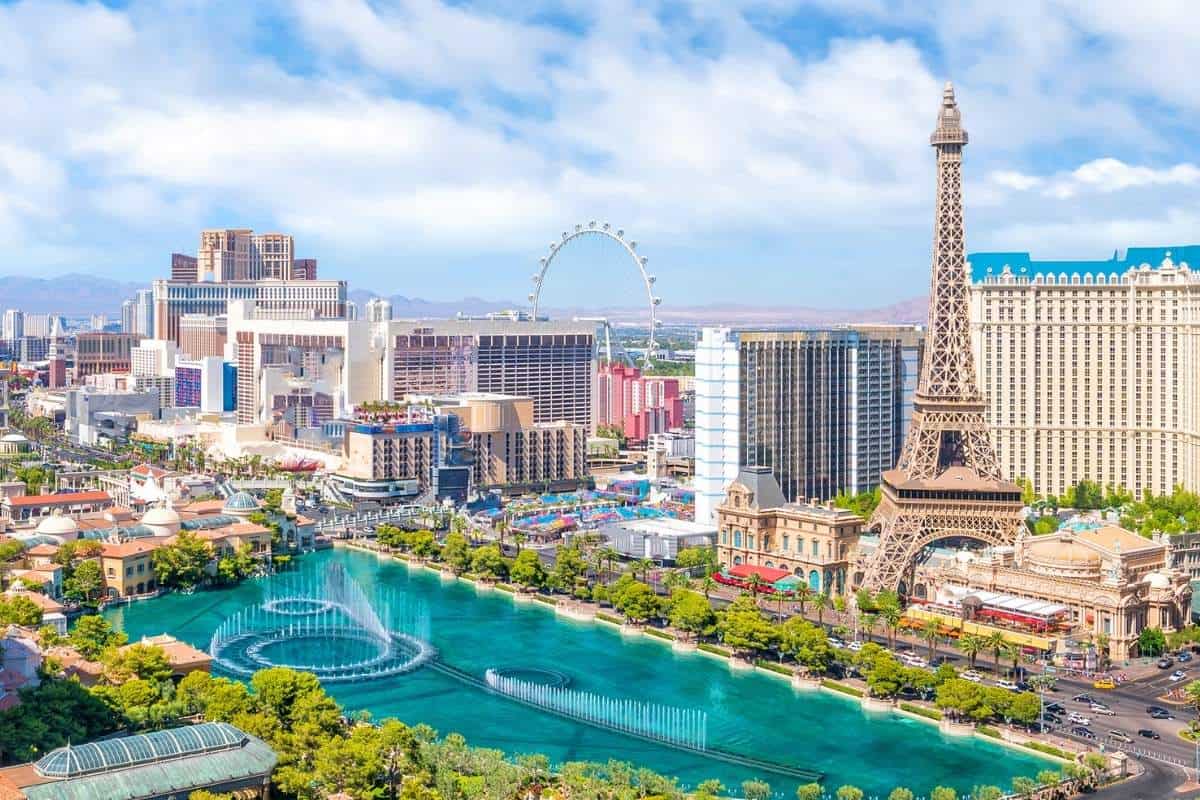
x=604, y=230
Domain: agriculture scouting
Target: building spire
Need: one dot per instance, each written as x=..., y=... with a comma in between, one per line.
x=949, y=122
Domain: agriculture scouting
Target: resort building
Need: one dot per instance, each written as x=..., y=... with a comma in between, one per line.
x=214, y=756
x=291, y=300
x=127, y=567
x=202, y=336
x=34, y=507
x=1109, y=582
x=757, y=526
x=1090, y=368
x=639, y=405
x=103, y=352
x=825, y=409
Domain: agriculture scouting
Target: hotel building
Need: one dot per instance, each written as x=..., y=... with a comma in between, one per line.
x=1090, y=368
x=292, y=300
x=824, y=409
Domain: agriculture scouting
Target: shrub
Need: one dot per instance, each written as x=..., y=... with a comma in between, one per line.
x=841, y=687
x=712, y=648
x=600, y=615
x=659, y=633
x=921, y=711
x=541, y=598
x=762, y=663
x=988, y=730
x=504, y=587
x=1048, y=749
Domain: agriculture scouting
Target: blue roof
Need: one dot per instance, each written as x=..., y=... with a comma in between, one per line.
x=242, y=501
x=985, y=264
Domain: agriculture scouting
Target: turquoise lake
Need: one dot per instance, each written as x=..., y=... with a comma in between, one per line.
x=748, y=712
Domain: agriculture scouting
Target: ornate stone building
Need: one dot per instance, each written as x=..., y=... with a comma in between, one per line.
x=756, y=525
x=1114, y=582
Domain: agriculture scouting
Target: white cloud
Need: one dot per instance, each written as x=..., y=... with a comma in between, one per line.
x=1104, y=175
x=1085, y=237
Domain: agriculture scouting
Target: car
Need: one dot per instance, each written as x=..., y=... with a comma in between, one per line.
x=1152, y=709
x=1082, y=732
x=1006, y=684
x=972, y=676
x=1120, y=736
x=1103, y=711
x=836, y=642
x=1079, y=719
x=1165, y=663
x=1083, y=698
x=1053, y=719
x=1178, y=675
x=855, y=646
x=1184, y=657
x=1149, y=734
x=1104, y=683
x=1055, y=708
x=1161, y=715
x=914, y=661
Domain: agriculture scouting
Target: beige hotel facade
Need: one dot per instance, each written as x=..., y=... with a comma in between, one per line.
x=1091, y=369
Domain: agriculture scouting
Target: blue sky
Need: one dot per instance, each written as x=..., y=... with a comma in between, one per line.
x=760, y=152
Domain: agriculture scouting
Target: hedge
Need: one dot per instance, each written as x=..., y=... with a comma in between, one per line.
x=1048, y=749
x=841, y=687
x=504, y=587
x=712, y=648
x=773, y=666
x=921, y=711
x=609, y=618
x=541, y=598
x=659, y=634
x=988, y=730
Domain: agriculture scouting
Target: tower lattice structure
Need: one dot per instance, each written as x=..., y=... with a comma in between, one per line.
x=947, y=483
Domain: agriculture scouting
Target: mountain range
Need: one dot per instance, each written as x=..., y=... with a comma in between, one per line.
x=76, y=295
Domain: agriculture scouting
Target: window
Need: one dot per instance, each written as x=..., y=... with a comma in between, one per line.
x=816, y=547
x=737, y=538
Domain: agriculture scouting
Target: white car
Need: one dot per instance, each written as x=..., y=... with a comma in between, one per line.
x=1006, y=684
x=972, y=676
x=855, y=646
x=836, y=642
x=1078, y=719
x=1103, y=711
x=916, y=661
x=1178, y=675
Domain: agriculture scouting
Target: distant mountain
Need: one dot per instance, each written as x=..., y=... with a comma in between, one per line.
x=911, y=311
x=70, y=295
x=77, y=295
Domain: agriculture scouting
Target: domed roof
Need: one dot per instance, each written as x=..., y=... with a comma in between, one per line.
x=241, y=502
x=57, y=525
x=1158, y=580
x=161, y=515
x=1063, y=551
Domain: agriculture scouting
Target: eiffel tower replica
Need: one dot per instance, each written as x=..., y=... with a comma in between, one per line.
x=947, y=483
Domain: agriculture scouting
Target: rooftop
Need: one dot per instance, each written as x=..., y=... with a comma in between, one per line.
x=984, y=265
x=59, y=499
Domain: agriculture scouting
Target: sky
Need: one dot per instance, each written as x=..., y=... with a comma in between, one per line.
x=761, y=153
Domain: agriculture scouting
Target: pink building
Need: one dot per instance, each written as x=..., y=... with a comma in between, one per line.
x=639, y=404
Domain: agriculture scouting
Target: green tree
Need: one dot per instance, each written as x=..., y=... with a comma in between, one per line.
x=689, y=611
x=887, y=677
x=691, y=557
x=569, y=567
x=848, y=792
x=1024, y=786
x=986, y=793
x=901, y=793
x=86, y=582
x=1026, y=708
x=931, y=634
x=756, y=790
x=182, y=564
x=92, y=635
x=863, y=504
x=487, y=562
x=20, y=610
x=527, y=571
x=889, y=610
x=1049, y=777
x=423, y=544
x=809, y=791
x=943, y=793
x=639, y=603
x=960, y=698
x=1151, y=642
x=807, y=644
x=237, y=565
x=147, y=662
x=743, y=627
x=456, y=552
x=49, y=716
x=995, y=642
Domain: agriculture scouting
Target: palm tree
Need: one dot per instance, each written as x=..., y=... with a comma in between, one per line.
x=820, y=602
x=644, y=565
x=995, y=642
x=518, y=539
x=931, y=632
x=867, y=622
x=610, y=556
x=839, y=606
x=804, y=593
x=708, y=585
x=501, y=526
x=756, y=583
x=891, y=615
x=1013, y=652
x=971, y=646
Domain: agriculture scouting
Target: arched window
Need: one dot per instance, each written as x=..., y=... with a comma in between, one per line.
x=737, y=559
x=814, y=580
